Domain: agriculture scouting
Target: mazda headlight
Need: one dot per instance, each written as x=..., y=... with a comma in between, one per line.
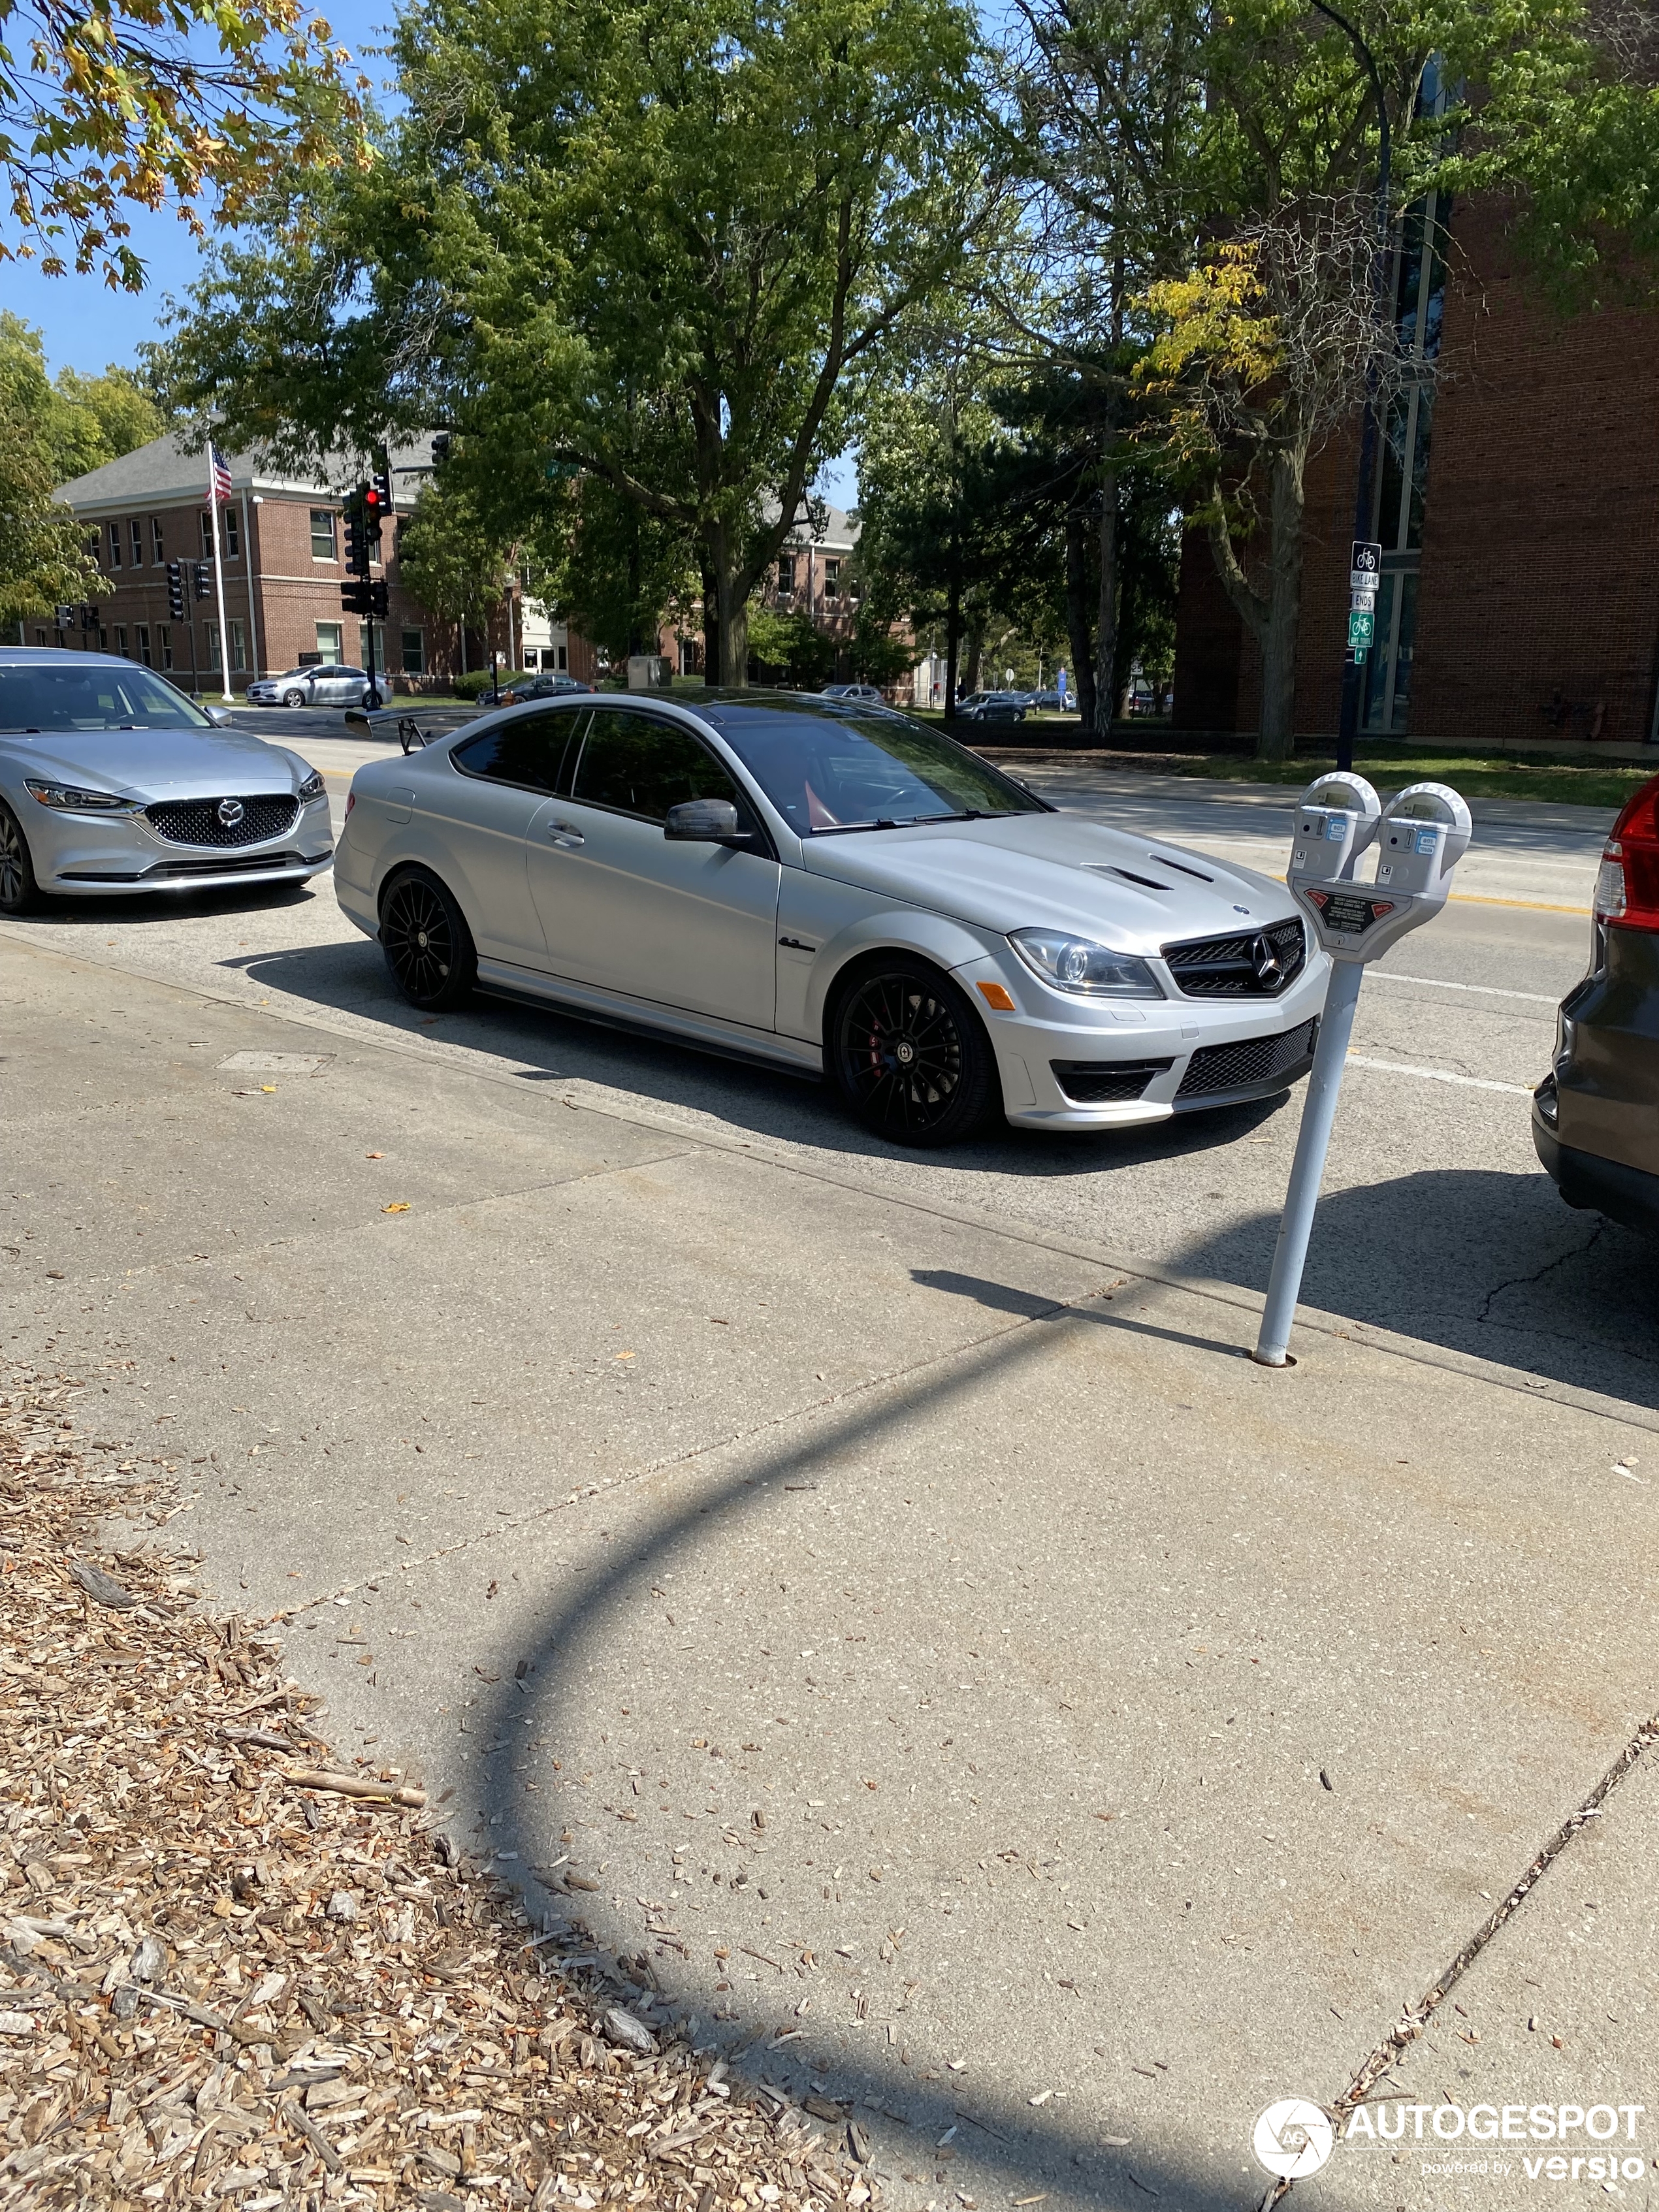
x=1077, y=963
x=313, y=786
x=70, y=798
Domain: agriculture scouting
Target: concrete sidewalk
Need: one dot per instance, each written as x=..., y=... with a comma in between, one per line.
x=930, y=1646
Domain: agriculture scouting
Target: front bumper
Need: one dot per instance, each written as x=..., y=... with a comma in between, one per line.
x=1085, y=1064
x=94, y=856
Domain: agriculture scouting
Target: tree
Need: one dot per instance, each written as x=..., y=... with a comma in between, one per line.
x=791, y=644
x=1224, y=161
x=658, y=244
x=449, y=559
x=612, y=569
x=109, y=105
x=48, y=433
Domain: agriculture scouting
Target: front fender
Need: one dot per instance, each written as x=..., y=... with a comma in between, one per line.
x=933, y=937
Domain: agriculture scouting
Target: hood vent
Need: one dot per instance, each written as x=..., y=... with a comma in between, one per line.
x=1164, y=861
x=1124, y=875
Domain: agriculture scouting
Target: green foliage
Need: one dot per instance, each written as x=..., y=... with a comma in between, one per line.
x=660, y=245
x=614, y=571
x=477, y=681
x=788, y=648
x=878, y=656
x=47, y=432
x=447, y=556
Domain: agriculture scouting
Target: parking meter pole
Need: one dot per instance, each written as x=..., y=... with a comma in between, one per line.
x=1418, y=839
x=1307, y=1169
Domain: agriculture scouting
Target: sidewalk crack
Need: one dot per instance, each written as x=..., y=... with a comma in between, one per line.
x=1415, y=2018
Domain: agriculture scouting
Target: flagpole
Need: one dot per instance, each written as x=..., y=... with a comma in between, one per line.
x=219, y=583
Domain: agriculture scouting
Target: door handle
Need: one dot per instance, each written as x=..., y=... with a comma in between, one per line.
x=565, y=833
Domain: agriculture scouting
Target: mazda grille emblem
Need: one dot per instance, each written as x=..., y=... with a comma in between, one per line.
x=231, y=812
x=1269, y=968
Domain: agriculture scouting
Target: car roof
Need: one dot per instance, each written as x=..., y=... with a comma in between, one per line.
x=58, y=656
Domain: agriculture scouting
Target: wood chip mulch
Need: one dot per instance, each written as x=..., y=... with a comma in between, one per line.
x=218, y=1987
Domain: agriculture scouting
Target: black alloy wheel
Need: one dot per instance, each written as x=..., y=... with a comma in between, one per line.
x=18, y=889
x=371, y=700
x=911, y=1057
x=428, y=944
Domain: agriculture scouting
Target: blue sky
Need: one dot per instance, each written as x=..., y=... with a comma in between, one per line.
x=87, y=326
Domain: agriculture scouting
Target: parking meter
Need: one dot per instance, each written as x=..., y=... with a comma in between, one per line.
x=1418, y=839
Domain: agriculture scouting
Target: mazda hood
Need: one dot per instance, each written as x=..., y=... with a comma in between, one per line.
x=154, y=763
x=1055, y=872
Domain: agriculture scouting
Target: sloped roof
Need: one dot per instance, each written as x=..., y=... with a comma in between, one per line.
x=172, y=470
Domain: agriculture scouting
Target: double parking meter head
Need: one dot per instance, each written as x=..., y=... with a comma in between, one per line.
x=1420, y=836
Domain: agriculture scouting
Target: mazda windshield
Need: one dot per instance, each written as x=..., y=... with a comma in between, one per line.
x=832, y=770
x=94, y=696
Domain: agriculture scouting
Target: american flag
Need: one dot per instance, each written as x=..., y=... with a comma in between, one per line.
x=219, y=468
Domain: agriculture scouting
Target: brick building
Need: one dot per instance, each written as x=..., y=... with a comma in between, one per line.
x=282, y=542
x=1518, y=508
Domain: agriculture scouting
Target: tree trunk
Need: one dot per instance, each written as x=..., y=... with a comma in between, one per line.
x=1077, y=616
x=1278, y=642
x=711, y=628
x=975, y=642
x=1106, y=687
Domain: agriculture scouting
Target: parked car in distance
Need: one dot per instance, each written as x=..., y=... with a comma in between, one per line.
x=330, y=684
x=113, y=781
x=1050, y=702
x=552, y=684
x=864, y=693
x=992, y=706
x=830, y=890
x=1595, y=1115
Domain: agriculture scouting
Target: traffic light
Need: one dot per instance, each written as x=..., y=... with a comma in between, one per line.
x=64, y=616
x=89, y=615
x=356, y=536
x=440, y=446
x=176, y=590
x=377, y=601
x=201, y=577
x=377, y=497
x=357, y=597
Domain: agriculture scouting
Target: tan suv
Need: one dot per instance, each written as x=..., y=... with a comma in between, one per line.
x=1595, y=1115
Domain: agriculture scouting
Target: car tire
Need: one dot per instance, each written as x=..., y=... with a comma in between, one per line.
x=910, y=1055
x=19, y=891
x=371, y=700
x=294, y=698
x=428, y=945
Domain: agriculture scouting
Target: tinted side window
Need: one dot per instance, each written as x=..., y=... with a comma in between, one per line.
x=526, y=752
x=641, y=765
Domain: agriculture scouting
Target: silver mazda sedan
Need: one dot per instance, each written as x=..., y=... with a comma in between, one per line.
x=111, y=780
x=832, y=888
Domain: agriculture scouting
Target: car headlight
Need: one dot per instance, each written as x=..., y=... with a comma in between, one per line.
x=1077, y=963
x=313, y=786
x=70, y=799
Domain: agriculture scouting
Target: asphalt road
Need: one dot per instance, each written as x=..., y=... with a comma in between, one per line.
x=1437, y=1221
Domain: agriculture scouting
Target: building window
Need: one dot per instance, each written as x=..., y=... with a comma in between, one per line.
x=238, y=645
x=95, y=544
x=413, y=653
x=39, y=637
x=115, y=545
x=137, y=529
x=785, y=574
x=141, y=643
x=380, y=646
x=157, y=541
x=330, y=640
x=832, y=578
x=121, y=640
x=564, y=657
x=322, y=534
x=103, y=639
x=164, y=639
x=232, y=544
x=207, y=533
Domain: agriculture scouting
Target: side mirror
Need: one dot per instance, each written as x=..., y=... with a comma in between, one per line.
x=706, y=821
x=221, y=717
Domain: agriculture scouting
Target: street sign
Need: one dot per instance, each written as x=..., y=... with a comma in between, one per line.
x=1363, y=580
x=1366, y=599
x=1362, y=627
x=1367, y=554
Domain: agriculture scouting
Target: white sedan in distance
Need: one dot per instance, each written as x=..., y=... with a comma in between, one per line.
x=833, y=889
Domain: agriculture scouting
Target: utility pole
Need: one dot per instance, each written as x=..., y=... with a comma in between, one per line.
x=219, y=495
x=1362, y=616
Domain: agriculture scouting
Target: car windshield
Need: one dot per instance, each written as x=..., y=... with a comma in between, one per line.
x=842, y=769
x=94, y=696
